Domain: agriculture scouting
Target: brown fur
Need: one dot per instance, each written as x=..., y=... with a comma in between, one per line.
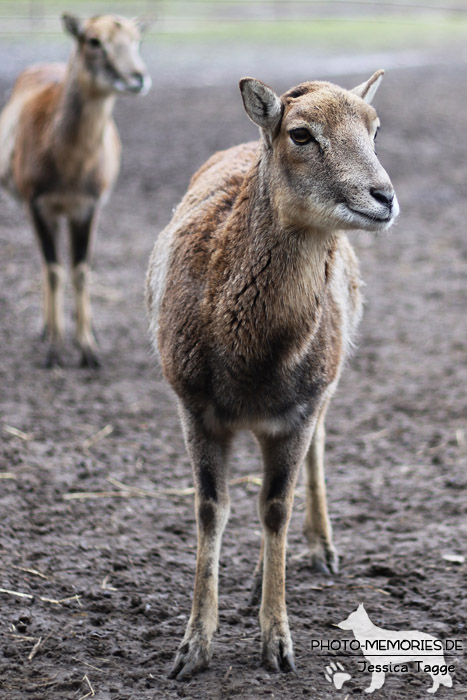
x=60, y=154
x=253, y=298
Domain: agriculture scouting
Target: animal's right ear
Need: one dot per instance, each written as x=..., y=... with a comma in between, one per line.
x=73, y=25
x=144, y=23
x=262, y=105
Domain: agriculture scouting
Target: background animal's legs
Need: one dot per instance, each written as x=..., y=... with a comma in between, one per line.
x=81, y=234
x=46, y=228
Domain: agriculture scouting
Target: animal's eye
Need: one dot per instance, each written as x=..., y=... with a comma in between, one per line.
x=94, y=42
x=301, y=136
x=376, y=134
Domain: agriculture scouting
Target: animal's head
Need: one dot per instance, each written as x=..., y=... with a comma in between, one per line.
x=108, y=53
x=320, y=141
x=358, y=620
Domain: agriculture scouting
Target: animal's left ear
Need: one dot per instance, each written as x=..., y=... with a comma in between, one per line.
x=73, y=25
x=262, y=105
x=368, y=90
x=144, y=24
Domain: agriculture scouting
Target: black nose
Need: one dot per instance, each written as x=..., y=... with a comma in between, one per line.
x=383, y=196
x=138, y=78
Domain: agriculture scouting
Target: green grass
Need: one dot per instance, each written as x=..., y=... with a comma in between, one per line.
x=409, y=29
x=348, y=34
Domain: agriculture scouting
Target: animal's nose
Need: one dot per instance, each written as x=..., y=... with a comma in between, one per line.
x=137, y=79
x=383, y=195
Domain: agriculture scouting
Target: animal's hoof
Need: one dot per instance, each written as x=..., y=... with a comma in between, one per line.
x=52, y=358
x=192, y=657
x=89, y=359
x=277, y=654
x=324, y=560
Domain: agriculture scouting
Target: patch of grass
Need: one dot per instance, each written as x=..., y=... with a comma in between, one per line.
x=362, y=34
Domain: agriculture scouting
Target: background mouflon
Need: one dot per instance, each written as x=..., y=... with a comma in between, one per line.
x=60, y=155
x=253, y=299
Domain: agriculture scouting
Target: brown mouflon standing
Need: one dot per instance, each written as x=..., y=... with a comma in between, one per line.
x=60, y=154
x=253, y=299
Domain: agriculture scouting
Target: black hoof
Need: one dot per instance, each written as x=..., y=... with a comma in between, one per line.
x=90, y=360
x=52, y=359
x=278, y=657
x=325, y=561
x=192, y=657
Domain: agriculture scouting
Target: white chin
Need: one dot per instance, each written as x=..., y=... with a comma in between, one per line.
x=368, y=221
x=129, y=90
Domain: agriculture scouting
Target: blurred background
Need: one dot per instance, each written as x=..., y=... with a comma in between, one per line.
x=235, y=32
x=109, y=570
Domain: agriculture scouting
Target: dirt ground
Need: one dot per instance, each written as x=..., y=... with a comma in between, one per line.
x=96, y=589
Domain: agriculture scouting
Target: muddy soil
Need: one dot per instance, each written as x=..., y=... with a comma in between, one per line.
x=96, y=589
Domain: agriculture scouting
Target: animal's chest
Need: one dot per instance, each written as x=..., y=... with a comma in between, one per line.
x=280, y=385
x=63, y=182
x=66, y=203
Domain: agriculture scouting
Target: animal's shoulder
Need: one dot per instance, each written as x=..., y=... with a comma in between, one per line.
x=211, y=196
x=38, y=76
x=224, y=170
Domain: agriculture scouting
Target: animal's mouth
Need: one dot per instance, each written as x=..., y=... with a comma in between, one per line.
x=140, y=89
x=373, y=217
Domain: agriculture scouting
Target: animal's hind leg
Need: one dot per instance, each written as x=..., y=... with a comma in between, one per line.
x=257, y=583
x=81, y=233
x=317, y=527
x=46, y=228
x=208, y=457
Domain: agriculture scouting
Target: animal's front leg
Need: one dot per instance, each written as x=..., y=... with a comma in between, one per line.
x=46, y=228
x=81, y=233
x=282, y=459
x=208, y=457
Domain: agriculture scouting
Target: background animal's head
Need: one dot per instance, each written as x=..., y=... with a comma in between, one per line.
x=108, y=53
x=358, y=620
x=320, y=144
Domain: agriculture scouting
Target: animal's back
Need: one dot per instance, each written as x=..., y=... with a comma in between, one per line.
x=34, y=85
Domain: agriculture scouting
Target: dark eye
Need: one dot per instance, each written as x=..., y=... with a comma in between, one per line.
x=94, y=42
x=301, y=136
x=376, y=134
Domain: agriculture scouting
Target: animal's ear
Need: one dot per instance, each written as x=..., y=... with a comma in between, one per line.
x=368, y=90
x=361, y=607
x=262, y=105
x=73, y=25
x=144, y=24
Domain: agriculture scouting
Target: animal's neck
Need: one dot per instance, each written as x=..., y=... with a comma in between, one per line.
x=300, y=258
x=82, y=114
x=269, y=281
